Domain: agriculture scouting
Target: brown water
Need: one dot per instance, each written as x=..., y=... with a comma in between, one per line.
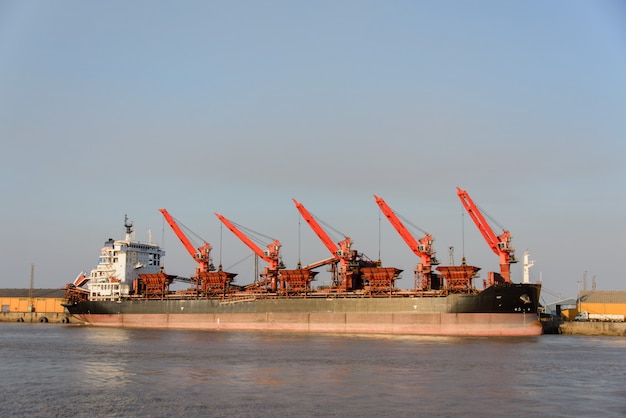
x=54, y=370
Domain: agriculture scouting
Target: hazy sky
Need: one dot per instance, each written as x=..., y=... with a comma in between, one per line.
x=114, y=108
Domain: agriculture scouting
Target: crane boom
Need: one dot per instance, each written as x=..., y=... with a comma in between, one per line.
x=499, y=244
x=202, y=255
x=340, y=249
x=421, y=248
x=272, y=255
x=328, y=242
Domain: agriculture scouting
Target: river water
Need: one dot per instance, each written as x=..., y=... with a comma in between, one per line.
x=55, y=370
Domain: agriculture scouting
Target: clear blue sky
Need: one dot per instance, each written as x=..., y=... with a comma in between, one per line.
x=114, y=108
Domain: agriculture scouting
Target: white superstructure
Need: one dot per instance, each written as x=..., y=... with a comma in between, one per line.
x=121, y=262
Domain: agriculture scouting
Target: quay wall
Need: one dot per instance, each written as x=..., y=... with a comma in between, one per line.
x=43, y=317
x=593, y=328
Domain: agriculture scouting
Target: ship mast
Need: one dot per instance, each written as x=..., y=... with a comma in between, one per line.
x=31, y=306
x=527, y=266
x=128, y=224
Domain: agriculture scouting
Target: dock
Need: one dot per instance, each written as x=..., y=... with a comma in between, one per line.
x=589, y=328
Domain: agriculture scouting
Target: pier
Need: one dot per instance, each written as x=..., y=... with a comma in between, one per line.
x=589, y=328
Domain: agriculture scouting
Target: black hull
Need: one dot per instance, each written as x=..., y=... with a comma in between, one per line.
x=504, y=298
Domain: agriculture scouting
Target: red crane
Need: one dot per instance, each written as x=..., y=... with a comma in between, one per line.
x=499, y=244
x=341, y=251
x=202, y=255
x=277, y=277
x=271, y=255
x=355, y=272
x=208, y=281
x=422, y=248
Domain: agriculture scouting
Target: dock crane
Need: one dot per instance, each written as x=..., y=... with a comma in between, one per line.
x=355, y=273
x=208, y=281
x=422, y=247
x=202, y=255
x=499, y=244
x=341, y=251
x=275, y=275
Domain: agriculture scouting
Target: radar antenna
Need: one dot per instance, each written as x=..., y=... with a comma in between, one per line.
x=128, y=224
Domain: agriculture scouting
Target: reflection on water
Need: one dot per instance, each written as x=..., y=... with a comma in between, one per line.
x=102, y=375
x=105, y=360
x=83, y=371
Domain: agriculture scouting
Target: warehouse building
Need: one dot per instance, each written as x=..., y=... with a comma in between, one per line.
x=604, y=302
x=33, y=305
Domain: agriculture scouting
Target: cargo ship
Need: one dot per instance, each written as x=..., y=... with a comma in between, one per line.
x=129, y=288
